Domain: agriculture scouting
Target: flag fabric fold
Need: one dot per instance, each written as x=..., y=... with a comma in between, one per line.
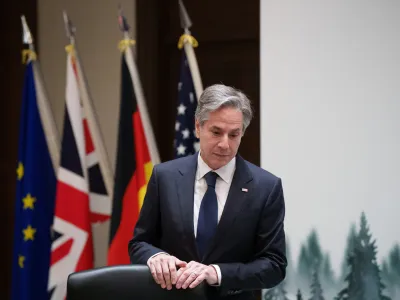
x=72, y=247
x=100, y=202
x=34, y=205
x=133, y=169
x=185, y=142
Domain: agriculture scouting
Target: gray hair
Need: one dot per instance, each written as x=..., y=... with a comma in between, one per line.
x=217, y=96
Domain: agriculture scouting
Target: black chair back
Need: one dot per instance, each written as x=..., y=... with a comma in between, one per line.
x=126, y=282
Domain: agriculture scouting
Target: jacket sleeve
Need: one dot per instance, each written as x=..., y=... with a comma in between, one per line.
x=268, y=268
x=146, y=235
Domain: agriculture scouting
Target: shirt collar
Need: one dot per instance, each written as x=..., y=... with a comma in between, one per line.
x=225, y=172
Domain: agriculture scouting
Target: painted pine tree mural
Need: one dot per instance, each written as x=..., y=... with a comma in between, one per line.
x=391, y=272
x=364, y=279
x=316, y=288
x=328, y=280
x=276, y=293
x=351, y=238
x=303, y=271
x=359, y=277
x=290, y=280
x=310, y=259
x=298, y=295
x=314, y=252
x=328, y=277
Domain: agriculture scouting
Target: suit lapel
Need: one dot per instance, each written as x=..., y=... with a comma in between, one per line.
x=185, y=187
x=236, y=199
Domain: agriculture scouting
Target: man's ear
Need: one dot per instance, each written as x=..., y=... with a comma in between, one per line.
x=197, y=125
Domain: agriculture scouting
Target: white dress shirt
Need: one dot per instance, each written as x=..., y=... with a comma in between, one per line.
x=222, y=186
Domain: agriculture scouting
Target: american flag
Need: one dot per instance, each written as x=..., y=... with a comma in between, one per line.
x=185, y=142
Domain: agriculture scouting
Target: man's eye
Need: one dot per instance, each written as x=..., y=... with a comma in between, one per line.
x=215, y=132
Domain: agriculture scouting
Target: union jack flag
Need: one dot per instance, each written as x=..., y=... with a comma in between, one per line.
x=81, y=197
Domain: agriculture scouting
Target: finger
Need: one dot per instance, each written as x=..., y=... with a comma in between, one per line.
x=191, y=264
x=183, y=269
x=198, y=280
x=183, y=276
x=179, y=274
x=180, y=263
x=172, y=270
x=159, y=273
x=165, y=273
x=192, y=277
x=153, y=272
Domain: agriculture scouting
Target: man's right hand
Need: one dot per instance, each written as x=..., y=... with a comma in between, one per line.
x=163, y=268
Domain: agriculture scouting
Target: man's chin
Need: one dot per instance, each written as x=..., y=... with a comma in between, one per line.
x=220, y=161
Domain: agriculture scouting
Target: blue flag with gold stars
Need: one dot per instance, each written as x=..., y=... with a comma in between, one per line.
x=185, y=142
x=34, y=203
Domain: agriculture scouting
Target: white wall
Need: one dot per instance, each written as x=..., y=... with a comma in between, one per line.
x=97, y=40
x=330, y=110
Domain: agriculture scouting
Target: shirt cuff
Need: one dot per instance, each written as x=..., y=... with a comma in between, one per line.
x=155, y=255
x=218, y=270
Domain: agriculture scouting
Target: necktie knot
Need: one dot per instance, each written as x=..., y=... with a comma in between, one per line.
x=211, y=178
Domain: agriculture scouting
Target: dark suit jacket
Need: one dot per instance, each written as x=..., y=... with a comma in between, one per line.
x=249, y=246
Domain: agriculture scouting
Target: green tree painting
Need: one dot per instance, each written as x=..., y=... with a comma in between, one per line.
x=298, y=295
x=359, y=277
x=276, y=293
x=391, y=272
x=310, y=259
x=290, y=280
x=327, y=276
x=316, y=288
x=303, y=278
x=351, y=238
x=364, y=279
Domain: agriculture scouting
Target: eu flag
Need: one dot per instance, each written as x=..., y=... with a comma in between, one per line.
x=186, y=142
x=34, y=203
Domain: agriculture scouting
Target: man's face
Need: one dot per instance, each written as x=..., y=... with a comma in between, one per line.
x=220, y=136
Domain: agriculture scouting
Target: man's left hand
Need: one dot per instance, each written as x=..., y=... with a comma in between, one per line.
x=194, y=273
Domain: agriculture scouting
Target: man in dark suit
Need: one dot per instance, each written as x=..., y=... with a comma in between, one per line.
x=213, y=216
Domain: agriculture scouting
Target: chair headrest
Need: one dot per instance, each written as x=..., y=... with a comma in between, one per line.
x=124, y=282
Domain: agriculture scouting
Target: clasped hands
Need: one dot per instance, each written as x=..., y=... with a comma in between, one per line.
x=164, y=269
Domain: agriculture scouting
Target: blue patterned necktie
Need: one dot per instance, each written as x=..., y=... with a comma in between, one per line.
x=208, y=215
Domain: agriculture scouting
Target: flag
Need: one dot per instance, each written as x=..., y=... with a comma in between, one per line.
x=133, y=167
x=34, y=205
x=72, y=247
x=186, y=142
x=96, y=161
x=100, y=202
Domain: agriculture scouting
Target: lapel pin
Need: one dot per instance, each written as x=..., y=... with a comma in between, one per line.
x=245, y=190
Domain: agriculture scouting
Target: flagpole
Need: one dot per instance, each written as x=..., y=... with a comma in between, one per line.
x=188, y=43
x=137, y=86
x=45, y=111
x=88, y=106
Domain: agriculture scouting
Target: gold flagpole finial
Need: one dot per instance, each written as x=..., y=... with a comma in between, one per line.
x=126, y=42
x=187, y=38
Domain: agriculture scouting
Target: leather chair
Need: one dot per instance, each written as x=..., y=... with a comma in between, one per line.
x=130, y=282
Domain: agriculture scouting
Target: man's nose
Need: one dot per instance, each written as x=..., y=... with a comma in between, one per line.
x=224, y=142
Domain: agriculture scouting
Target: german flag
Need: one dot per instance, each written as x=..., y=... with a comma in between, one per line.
x=133, y=167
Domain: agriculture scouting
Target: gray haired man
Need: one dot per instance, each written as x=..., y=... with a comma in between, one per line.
x=214, y=216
